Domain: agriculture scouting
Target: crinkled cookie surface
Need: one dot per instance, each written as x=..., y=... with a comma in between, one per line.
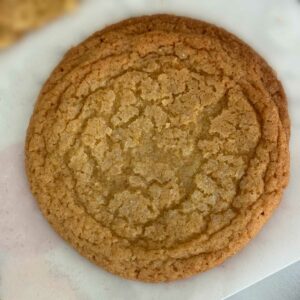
x=159, y=147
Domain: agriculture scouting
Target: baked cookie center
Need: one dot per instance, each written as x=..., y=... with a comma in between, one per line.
x=158, y=152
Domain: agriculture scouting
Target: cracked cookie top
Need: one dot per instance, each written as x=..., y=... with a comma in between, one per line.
x=158, y=147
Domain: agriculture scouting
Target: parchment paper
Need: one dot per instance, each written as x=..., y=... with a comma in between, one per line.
x=35, y=263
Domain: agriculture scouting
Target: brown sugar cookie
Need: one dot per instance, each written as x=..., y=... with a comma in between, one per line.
x=159, y=147
x=20, y=16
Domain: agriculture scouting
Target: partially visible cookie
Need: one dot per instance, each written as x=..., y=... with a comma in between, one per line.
x=20, y=16
x=159, y=147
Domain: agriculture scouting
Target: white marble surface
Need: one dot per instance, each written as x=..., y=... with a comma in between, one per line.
x=34, y=262
x=283, y=285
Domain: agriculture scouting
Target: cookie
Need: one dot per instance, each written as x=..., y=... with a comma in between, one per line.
x=20, y=16
x=158, y=147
